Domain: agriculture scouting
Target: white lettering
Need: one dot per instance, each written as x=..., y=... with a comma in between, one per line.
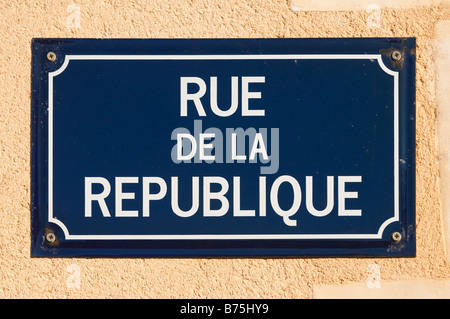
x=202, y=146
x=195, y=198
x=259, y=140
x=208, y=195
x=295, y=204
x=237, y=200
x=262, y=196
x=247, y=95
x=147, y=196
x=309, y=197
x=121, y=196
x=195, y=97
x=342, y=195
x=215, y=198
x=234, y=155
x=180, y=137
x=100, y=198
x=234, y=97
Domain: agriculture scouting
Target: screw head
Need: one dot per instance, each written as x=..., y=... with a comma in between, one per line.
x=51, y=56
x=396, y=237
x=396, y=55
x=50, y=237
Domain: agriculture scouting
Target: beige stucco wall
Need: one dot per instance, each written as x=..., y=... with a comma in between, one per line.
x=21, y=276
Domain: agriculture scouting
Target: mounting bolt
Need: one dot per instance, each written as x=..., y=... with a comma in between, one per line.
x=50, y=238
x=396, y=55
x=396, y=237
x=51, y=56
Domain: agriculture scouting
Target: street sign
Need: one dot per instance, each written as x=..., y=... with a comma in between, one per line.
x=224, y=147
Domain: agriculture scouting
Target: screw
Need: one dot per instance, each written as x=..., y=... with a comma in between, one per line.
x=396, y=237
x=51, y=56
x=50, y=237
x=396, y=55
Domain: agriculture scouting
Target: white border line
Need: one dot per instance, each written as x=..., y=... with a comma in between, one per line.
x=377, y=57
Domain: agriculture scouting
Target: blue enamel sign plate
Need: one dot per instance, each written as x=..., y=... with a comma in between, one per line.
x=225, y=147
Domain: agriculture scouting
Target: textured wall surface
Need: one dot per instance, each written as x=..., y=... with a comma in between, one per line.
x=24, y=277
